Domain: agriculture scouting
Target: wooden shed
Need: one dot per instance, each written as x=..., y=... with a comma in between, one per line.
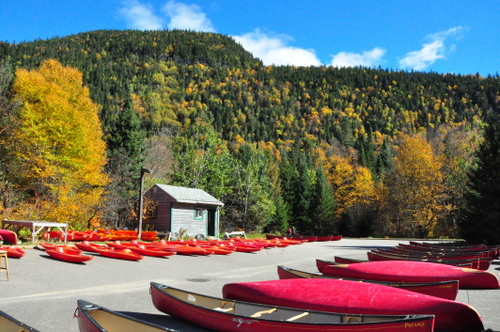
x=179, y=207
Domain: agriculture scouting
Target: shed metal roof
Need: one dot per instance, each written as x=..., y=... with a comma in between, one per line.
x=189, y=195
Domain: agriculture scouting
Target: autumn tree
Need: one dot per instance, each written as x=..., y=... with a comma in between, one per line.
x=353, y=189
x=415, y=189
x=480, y=217
x=455, y=146
x=57, y=145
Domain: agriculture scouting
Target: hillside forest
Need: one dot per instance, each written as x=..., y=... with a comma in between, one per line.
x=352, y=151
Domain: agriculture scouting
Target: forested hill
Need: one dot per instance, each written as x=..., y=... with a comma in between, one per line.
x=180, y=75
x=354, y=150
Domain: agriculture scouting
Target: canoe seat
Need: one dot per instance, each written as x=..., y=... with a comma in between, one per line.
x=260, y=313
x=223, y=309
x=4, y=263
x=291, y=319
x=353, y=319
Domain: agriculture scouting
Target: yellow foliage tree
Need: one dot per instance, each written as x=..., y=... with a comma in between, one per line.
x=415, y=189
x=353, y=188
x=58, y=145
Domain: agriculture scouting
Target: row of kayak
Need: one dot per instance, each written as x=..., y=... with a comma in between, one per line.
x=135, y=250
x=101, y=234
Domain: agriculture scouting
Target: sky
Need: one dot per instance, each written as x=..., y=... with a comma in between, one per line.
x=443, y=36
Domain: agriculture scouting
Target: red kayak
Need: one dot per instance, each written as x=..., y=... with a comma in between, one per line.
x=89, y=246
x=52, y=246
x=13, y=251
x=411, y=271
x=353, y=297
x=68, y=255
x=126, y=254
x=143, y=250
x=220, y=314
x=443, y=289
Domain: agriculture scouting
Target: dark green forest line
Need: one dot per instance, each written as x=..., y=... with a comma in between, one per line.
x=284, y=126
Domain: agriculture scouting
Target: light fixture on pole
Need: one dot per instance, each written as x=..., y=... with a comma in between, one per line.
x=141, y=199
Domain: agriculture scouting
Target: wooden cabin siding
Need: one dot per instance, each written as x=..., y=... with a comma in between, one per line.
x=184, y=217
x=161, y=221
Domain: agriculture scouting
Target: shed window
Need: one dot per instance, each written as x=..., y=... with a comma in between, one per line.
x=198, y=213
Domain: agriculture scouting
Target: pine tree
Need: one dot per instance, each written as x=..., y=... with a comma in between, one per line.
x=479, y=220
x=323, y=209
x=126, y=145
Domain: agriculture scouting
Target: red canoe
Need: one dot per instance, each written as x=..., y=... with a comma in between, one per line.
x=9, y=323
x=126, y=254
x=347, y=260
x=225, y=315
x=68, y=255
x=321, y=264
x=13, y=251
x=8, y=236
x=443, y=289
x=355, y=298
x=94, y=318
x=473, y=263
x=410, y=271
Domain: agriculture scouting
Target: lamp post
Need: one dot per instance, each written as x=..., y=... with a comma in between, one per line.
x=141, y=199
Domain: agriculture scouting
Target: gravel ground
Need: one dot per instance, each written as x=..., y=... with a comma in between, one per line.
x=43, y=292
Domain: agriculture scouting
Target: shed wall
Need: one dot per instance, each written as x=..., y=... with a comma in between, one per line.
x=183, y=216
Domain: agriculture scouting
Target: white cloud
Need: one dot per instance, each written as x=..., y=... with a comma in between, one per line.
x=435, y=49
x=140, y=16
x=273, y=50
x=371, y=58
x=187, y=17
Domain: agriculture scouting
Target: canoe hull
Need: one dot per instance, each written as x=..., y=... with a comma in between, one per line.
x=94, y=318
x=414, y=271
x=443, y=289
x=8, y=236
x=9, y=323
x=354, y=297
x=192, y=308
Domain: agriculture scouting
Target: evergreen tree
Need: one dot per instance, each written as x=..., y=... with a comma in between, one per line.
x=479, y=220
x=323, y=209
x=126, y=145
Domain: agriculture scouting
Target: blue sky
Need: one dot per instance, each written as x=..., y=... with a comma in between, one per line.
x=443, y=36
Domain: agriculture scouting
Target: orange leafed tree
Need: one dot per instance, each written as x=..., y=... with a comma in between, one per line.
x=58, y=145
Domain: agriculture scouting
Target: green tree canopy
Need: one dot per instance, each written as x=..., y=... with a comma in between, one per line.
x=480, y=218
